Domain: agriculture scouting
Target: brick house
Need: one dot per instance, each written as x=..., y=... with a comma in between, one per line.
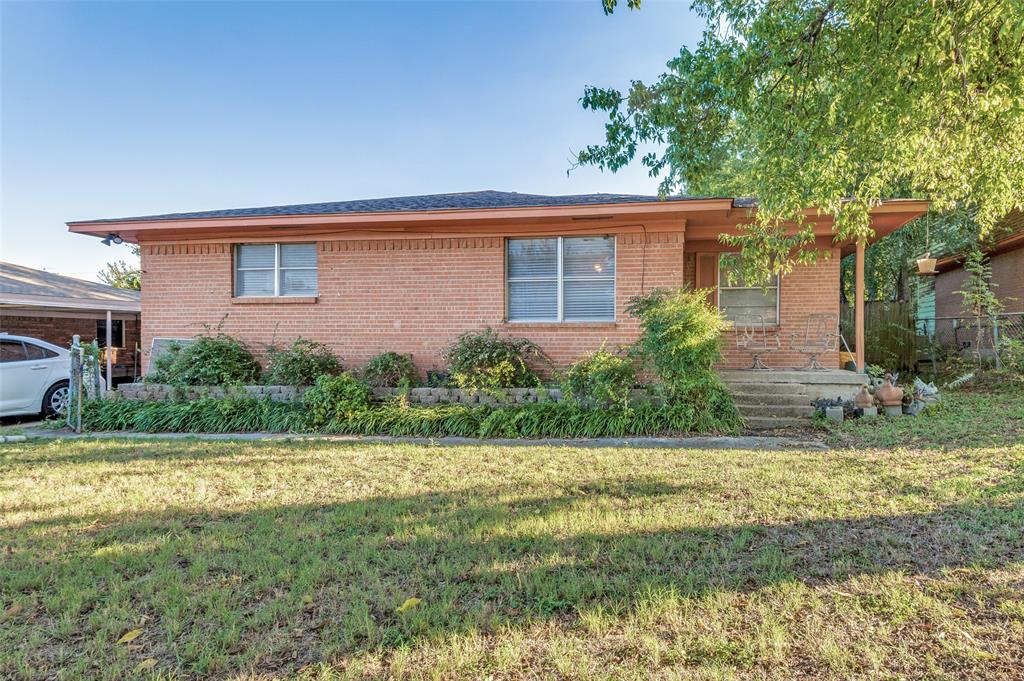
x=410, y=274
x=953, y=324
x=54, y=308
x=1006, y=256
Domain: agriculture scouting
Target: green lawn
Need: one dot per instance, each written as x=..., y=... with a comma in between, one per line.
x=898, y=556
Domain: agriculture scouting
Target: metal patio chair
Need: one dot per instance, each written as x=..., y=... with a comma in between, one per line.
x=759, y=339
x=820, y=335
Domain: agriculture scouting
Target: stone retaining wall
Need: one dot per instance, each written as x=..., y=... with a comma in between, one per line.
x=157, y=392
x=141, y=392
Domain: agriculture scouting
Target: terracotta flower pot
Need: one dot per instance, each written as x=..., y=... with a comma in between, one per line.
x=889, y=395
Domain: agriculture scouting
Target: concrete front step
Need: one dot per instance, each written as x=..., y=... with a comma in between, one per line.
x=810, y=384
x=768, y=423
x=770, y=398
x=776, y=411
x=836, y=376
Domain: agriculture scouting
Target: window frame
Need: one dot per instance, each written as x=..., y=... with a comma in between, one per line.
x=719, y=288
x=47, y=352
x=277, y=269
x=101, y=338
x=560, y=281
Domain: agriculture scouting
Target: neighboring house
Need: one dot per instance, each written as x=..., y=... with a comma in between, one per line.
x=410, y=274
x=1007, y=260
x=54, y=308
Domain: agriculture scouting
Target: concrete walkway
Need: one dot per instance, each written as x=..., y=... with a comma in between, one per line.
x=703, y=442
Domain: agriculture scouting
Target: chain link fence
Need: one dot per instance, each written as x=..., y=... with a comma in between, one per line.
x=85, y=380
x=941, y=338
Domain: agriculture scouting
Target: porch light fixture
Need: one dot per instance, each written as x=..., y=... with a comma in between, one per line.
x=112, y=239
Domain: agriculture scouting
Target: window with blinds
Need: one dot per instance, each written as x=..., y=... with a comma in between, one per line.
x=560, y=279
x=744, y=302
x=275, y=270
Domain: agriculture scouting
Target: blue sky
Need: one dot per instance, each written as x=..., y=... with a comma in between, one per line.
x=114, y=109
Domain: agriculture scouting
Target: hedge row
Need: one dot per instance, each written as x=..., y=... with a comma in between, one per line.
x=562, y=420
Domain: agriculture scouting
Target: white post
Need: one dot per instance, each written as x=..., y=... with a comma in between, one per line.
x=110, y=353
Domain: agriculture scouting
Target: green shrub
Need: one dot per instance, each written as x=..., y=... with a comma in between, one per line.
x=162, y=366
x=300, y=363
x=600, y=378
x=333, y=398
x=1011, y=352
x=484, y=360
x=680, y=342
x=207, y=360
x=391, y=370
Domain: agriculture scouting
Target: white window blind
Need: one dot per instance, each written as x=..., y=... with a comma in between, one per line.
x=744, y=303
x=275, y=270
x=557, y=279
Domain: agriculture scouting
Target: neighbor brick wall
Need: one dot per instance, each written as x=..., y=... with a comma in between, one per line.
x=417, y=295
x=59, y=330
x=1007, y=272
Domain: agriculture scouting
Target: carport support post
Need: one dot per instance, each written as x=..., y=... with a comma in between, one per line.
x=859, y=307
x=110, y=354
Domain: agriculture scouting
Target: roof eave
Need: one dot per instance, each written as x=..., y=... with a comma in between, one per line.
x=105, y=227
x=24, y=300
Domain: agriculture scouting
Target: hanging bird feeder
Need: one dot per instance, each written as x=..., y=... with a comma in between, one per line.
x=926, y=264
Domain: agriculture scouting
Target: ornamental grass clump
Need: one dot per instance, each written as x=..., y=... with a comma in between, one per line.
x=300, y=363
x=680, y=342
x=204, y=415
x=487, y=361
x=208, y=360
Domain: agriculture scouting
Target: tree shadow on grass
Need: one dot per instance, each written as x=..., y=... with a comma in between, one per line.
x=307, y=583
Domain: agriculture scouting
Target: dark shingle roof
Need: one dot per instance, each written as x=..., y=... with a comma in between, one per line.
x=398, y=204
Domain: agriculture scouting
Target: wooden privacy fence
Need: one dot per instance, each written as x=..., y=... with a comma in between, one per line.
x=890, y=334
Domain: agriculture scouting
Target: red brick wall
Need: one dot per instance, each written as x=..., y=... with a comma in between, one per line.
x=1007, y=272
x=805, y=291
x=416, y=295
x=407, y=295
x=59, y=330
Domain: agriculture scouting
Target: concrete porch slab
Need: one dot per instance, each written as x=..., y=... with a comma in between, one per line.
x=812, y=384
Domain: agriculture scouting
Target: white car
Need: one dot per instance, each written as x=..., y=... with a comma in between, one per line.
x=33, y=376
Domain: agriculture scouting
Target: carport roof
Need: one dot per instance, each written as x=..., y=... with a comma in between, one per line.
x=22, y=286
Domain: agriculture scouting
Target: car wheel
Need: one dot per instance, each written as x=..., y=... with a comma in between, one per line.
x=55, y=401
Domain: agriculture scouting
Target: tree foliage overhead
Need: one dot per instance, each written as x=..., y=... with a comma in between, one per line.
x=834, y=104
x=121, y=274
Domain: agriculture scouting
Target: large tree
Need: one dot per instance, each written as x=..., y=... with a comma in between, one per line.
x=833, y=104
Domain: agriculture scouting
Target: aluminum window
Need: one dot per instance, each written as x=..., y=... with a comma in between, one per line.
x=275, y=270
x=116, y=332
x=560, y=279
x=745, y=303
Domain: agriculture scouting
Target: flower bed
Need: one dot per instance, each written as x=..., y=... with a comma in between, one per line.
x=158, y=392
